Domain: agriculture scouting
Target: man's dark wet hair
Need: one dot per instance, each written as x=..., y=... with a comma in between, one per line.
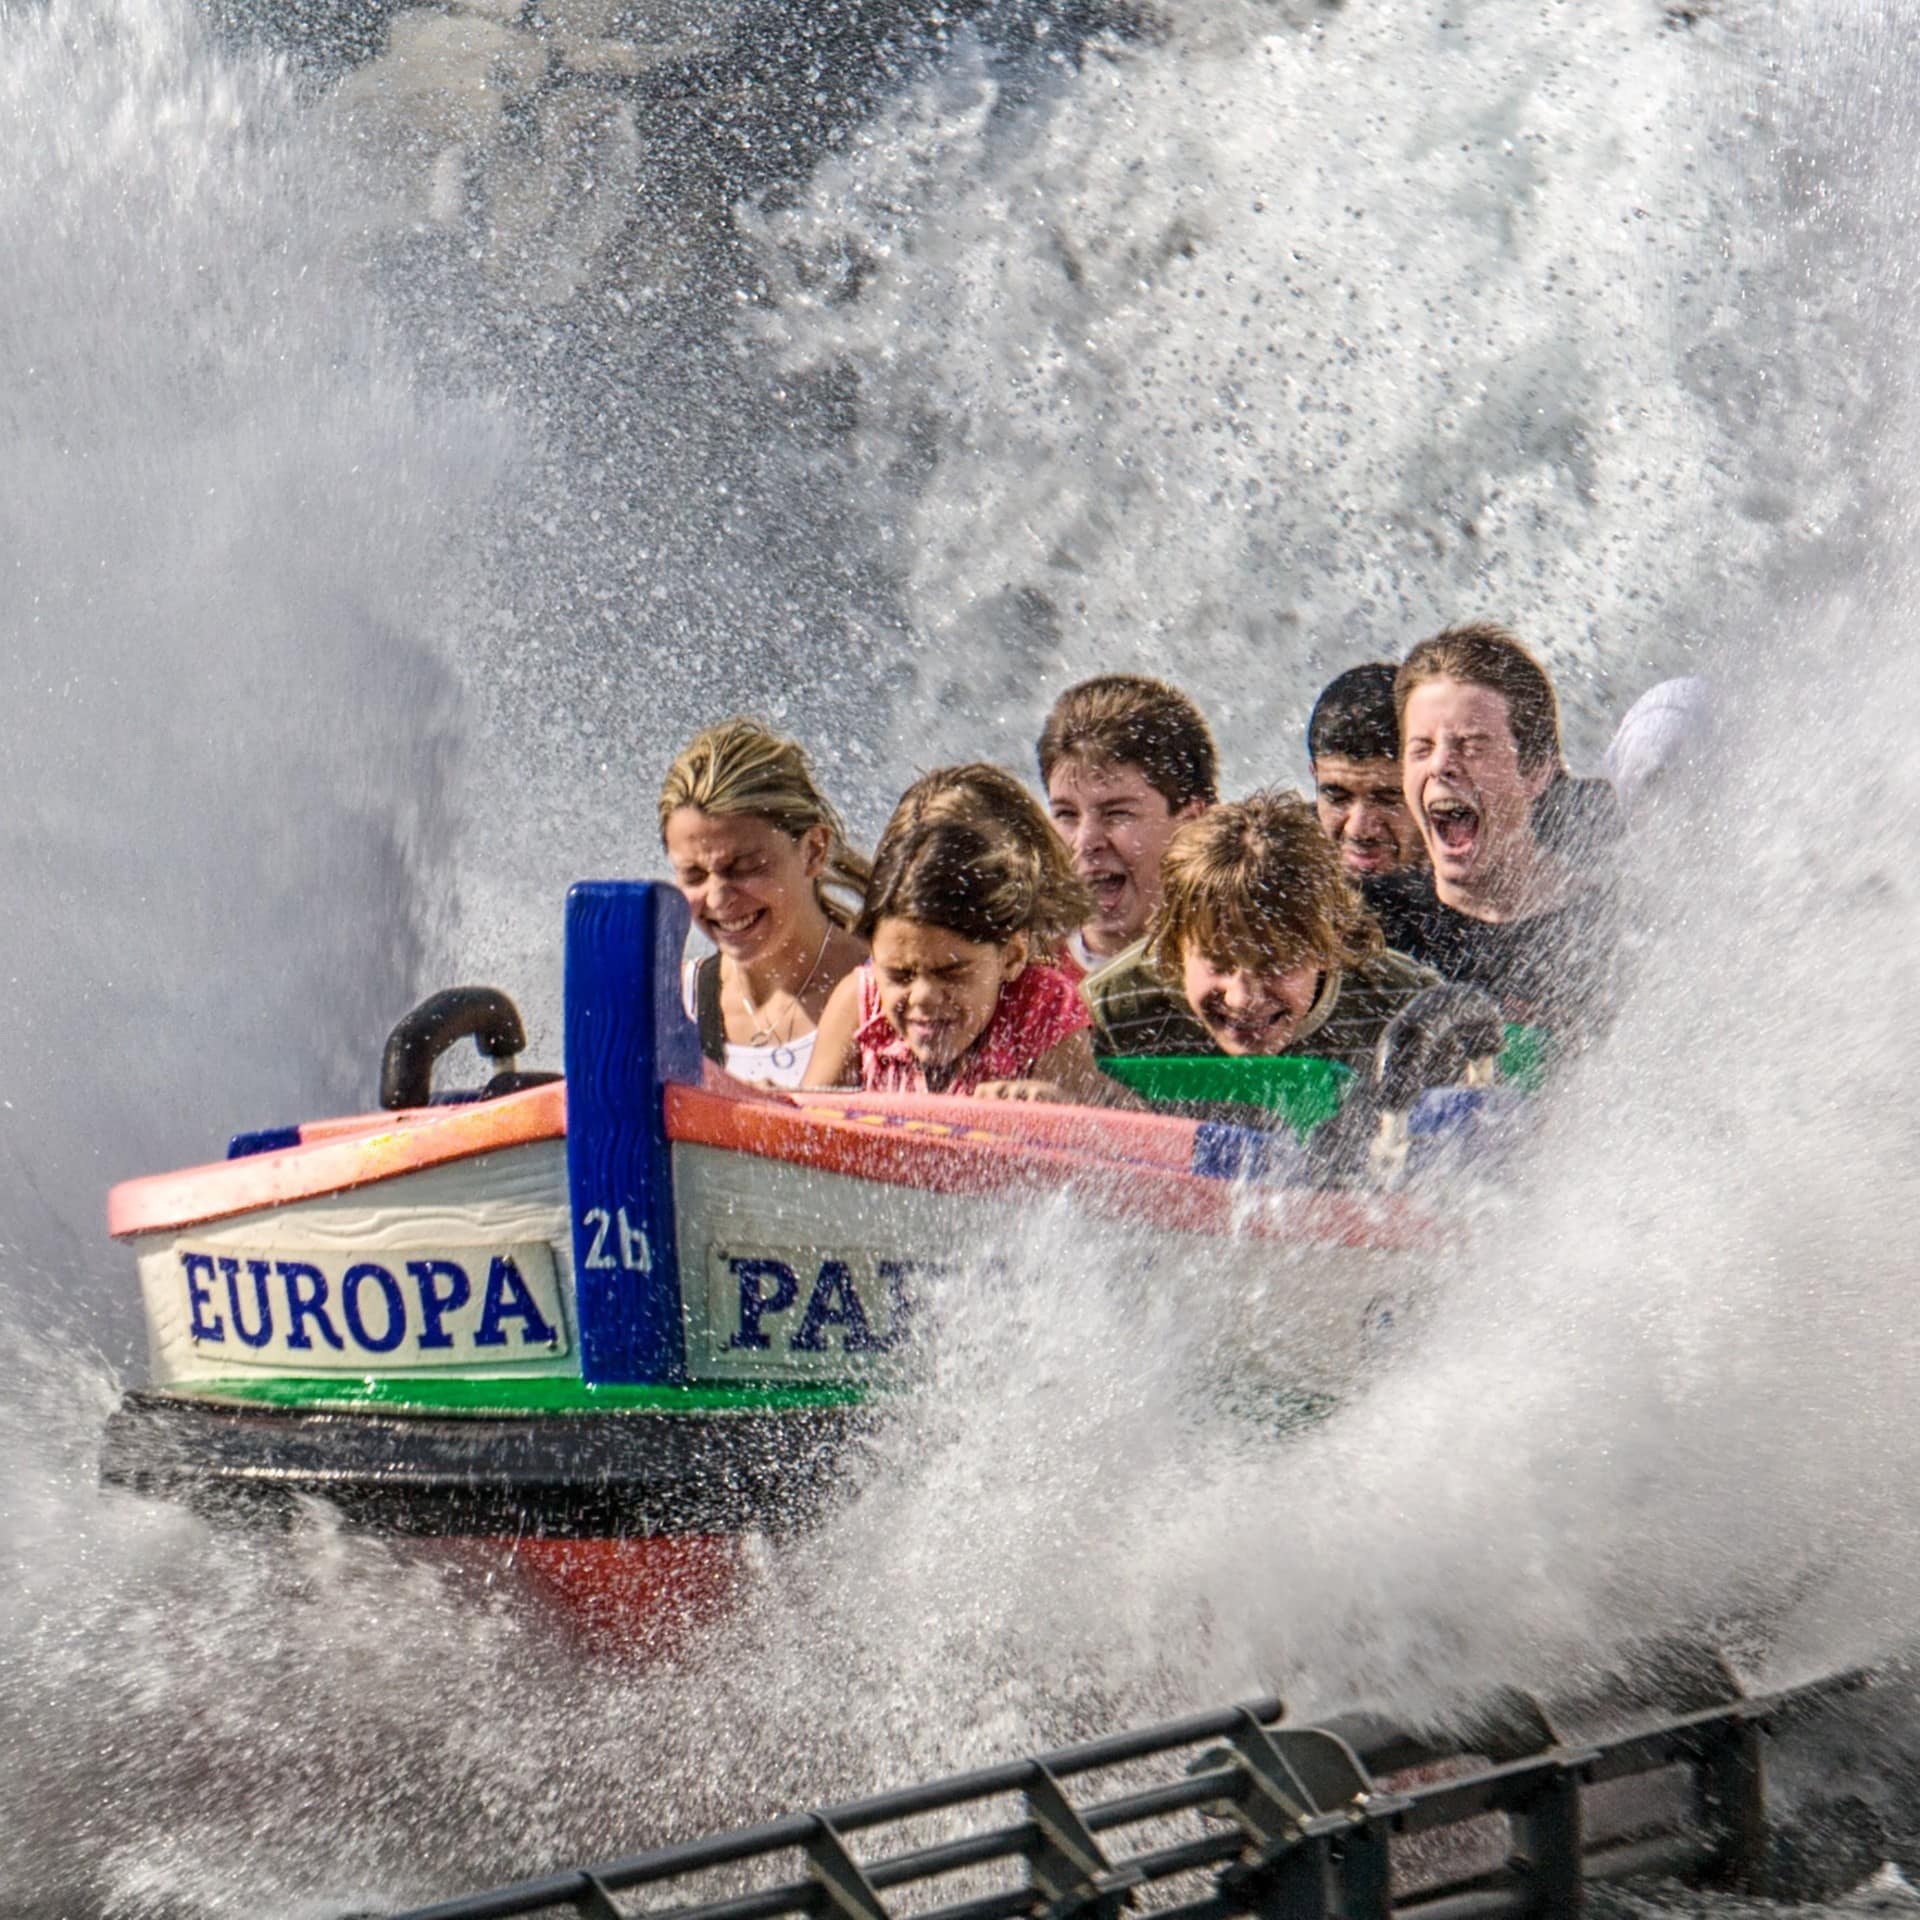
x=1354, y=717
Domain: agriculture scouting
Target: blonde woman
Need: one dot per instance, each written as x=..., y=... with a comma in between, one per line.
x=767, y=873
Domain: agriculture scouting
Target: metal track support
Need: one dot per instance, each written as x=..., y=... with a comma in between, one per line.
x=1733, y=1802
x=1326, y=1767
x=1276, y=1800
x=850, y=1893
x=1363, y=1861
x=1549, y=1842
x=1292, y=1880
x=1067, y=1864
x=594, y=1902
x=1291, y=1828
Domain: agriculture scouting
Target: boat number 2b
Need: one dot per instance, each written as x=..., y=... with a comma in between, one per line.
x=615, y=1241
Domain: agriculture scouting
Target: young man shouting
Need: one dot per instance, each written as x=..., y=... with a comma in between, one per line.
x=1480, y=746
x=1125, y=761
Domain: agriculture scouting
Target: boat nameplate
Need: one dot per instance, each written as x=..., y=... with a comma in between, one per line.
x=801, y=1313
x=327, y=1309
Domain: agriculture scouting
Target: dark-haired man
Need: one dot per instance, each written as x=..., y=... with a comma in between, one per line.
x=1353, y=744
x=1125, y=760
x=1501, y=909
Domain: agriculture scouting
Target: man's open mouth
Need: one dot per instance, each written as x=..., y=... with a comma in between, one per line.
x=1106, y=888
x=1456, y=825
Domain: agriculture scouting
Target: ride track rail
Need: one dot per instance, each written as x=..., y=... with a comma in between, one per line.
x=1288, y=1823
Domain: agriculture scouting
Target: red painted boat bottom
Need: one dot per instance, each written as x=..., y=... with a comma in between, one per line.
x=640, y=1598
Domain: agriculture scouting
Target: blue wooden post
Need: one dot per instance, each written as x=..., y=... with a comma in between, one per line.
x=627, y=1035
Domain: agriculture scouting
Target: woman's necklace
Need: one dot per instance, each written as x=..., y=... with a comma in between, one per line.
x=763, y=1031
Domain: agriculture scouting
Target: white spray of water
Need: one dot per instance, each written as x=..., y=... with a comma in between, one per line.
x=224, y=517
x=1666, y=1384
x=228, y=535
x=1279, y=345
x=1285, y=342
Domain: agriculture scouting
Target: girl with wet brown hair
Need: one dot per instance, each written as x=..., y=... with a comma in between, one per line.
x=972, y=893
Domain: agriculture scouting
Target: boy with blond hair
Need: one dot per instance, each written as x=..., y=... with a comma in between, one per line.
x=1259, y=945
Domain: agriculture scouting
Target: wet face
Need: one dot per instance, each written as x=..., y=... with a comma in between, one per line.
x=1116, y=826
x=1363, y=808
x=939, y=990
x=1465, y=787
x=1247, y=1010
x=747, y=884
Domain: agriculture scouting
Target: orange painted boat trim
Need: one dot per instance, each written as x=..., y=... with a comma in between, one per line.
x=1130, y=1167
x=1108, y=1133
x=336, y=1160
x=936, y=1145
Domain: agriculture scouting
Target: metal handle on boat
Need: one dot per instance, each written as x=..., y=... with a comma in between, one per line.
x=1431, y=1041
x=453, y=1014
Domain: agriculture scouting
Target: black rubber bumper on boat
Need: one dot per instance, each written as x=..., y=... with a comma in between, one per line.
x=579, y=1476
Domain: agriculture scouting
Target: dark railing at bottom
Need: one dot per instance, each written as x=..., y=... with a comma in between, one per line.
x=1354, y=1818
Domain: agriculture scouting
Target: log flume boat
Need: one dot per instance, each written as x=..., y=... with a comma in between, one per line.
x=613, y=1323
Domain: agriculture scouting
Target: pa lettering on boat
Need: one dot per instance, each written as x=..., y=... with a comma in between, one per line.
x=796, y=1306
x=400, y=1306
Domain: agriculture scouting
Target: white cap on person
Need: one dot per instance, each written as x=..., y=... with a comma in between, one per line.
x=1666, y=724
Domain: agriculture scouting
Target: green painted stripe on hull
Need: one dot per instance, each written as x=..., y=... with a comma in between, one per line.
x=550, y=1394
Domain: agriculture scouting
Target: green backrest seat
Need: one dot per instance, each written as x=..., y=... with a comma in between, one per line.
x=1525, y=1058
x=1302, y=1089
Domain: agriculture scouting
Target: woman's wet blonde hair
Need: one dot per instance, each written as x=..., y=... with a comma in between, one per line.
x=1257, y=884
x=742, y=767
x=968, y=849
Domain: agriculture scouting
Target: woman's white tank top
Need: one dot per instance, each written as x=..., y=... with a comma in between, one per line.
x=784, y=1063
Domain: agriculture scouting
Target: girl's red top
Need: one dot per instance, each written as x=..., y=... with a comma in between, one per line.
x=1036, y=1011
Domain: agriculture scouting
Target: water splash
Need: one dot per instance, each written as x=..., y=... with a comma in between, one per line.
x=1286, y=341
x=1666, y=1387
x=227, y=514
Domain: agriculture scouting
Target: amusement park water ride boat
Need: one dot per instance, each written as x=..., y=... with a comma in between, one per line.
x=617, y=1323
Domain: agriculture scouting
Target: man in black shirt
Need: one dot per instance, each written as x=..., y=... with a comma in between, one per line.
x=1480, y=747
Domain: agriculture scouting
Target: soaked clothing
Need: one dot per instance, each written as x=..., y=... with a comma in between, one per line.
x=783, y=1064
x=1134, y=1011
x=1581, y=823
x=1034, y=1013
x=1552, y=970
